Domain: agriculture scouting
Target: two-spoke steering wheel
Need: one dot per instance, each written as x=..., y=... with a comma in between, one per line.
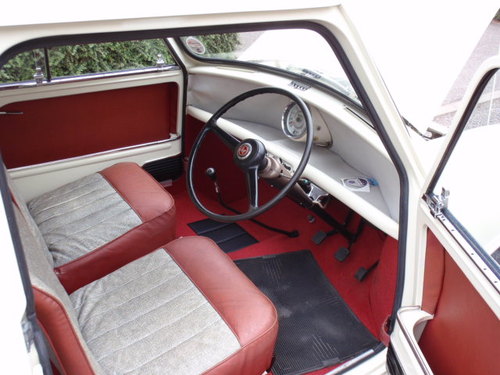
x=250, y=155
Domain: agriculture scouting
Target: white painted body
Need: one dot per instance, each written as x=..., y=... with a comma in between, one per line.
x=381, y=207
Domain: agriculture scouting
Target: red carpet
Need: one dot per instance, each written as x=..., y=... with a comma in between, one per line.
x=371, y=300
x=289, y=216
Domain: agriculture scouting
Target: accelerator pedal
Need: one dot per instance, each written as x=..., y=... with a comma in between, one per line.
x=362, y=272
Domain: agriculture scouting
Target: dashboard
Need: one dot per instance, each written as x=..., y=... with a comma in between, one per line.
x=348, y=160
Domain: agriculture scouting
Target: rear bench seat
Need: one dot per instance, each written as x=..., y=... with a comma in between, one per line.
x=101, y=222
x=181, y=308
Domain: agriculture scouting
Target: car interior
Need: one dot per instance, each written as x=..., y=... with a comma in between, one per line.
x=211, y=213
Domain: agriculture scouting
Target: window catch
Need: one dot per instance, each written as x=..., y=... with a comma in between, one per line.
x=437, y=203
x=38, y=76
x=160, y=62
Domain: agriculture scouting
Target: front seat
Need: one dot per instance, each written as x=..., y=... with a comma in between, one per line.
x=98, y=223
x=182, y=309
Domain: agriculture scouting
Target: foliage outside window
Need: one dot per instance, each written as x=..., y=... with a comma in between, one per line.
x=82, y=59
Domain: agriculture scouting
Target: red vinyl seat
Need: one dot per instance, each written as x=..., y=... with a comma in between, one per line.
x=131, y=305
x=185, y=308
x=98, y=223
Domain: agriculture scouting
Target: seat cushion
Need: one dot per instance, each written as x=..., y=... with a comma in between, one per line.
x=246, y=310
x=97, y=224
x=183, y=309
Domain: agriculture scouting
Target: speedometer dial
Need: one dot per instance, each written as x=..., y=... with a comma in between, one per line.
x=293, y=122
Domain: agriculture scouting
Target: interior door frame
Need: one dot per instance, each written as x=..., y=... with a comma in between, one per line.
x=411, y=319
x=460, y=247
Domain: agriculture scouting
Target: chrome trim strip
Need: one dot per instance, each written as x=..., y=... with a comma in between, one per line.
x=356, y=114
x=471, y=252
x=173, y=137
x=88, y=77
x=410, y=337
x=351, y=362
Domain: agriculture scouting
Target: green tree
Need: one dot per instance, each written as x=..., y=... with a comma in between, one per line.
x=102, y=57
x=19, y=68
x=105, y=57
x=220, y=44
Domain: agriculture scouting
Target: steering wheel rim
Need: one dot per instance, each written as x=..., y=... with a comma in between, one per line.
x=252, y=171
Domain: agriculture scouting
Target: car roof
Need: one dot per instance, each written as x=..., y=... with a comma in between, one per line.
x=419, y=48
x=16, y=13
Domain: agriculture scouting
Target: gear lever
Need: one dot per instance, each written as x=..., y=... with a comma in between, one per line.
x=212, y=174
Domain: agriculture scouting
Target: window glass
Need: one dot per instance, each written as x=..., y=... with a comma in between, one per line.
x=300, y=51
x=83, y=59
x=23, y=67
x=471, y=174
x=106, y=57
x=487, y=47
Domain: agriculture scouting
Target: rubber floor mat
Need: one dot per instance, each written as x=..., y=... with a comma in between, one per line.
x=229, y=236
x=316, y=327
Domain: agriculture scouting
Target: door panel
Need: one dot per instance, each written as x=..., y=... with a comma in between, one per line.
x=463, y=336
x=67, y=126
x=434, y=273
x=461, y=276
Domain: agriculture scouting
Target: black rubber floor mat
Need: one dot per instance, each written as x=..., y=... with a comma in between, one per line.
x=316, y=328
x=229, y=236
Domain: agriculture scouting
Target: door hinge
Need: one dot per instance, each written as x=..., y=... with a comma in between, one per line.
x=437, y=203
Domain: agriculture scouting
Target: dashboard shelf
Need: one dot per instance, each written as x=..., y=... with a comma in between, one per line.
x=326, y=168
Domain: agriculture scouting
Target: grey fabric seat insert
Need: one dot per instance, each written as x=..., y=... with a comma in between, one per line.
x=148, y=316
x=81, y=216
x=42, y=275
x=144, y=318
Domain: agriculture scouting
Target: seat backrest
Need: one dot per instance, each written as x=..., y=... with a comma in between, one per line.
x=54, y=309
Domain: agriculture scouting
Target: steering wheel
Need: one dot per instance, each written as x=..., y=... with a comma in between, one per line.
x=249, y=155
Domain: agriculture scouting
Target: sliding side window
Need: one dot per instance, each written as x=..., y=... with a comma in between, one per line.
x=45, y=64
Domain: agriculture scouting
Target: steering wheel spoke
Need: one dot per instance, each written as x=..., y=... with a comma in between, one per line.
x=253, y=188
x=230, y=141
x=250, y=156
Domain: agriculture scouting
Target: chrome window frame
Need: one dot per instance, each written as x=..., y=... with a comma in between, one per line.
x=88, y=77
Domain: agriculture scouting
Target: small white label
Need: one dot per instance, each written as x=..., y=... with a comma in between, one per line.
x=358, y=184
x=195, y=45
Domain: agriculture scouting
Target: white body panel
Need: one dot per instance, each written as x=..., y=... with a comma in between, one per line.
x=381, y=208
x=14, y=306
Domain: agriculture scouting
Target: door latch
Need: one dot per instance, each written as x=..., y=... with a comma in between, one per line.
x=437, y=203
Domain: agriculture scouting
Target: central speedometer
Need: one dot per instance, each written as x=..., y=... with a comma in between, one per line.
x=294, y=122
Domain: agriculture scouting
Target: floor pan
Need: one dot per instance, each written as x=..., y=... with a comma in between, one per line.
x=316, y=327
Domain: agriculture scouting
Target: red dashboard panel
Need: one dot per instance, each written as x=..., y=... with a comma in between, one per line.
x=68, y=126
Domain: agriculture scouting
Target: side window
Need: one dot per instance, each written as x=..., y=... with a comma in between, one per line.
x=472, y=179
x=82, y=59
x=23, y=66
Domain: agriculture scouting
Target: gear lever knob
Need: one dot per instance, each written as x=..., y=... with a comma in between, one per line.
x=210, y=172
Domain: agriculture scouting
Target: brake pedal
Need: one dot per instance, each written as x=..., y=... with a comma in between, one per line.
x=342, y=254
x=319, y=237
